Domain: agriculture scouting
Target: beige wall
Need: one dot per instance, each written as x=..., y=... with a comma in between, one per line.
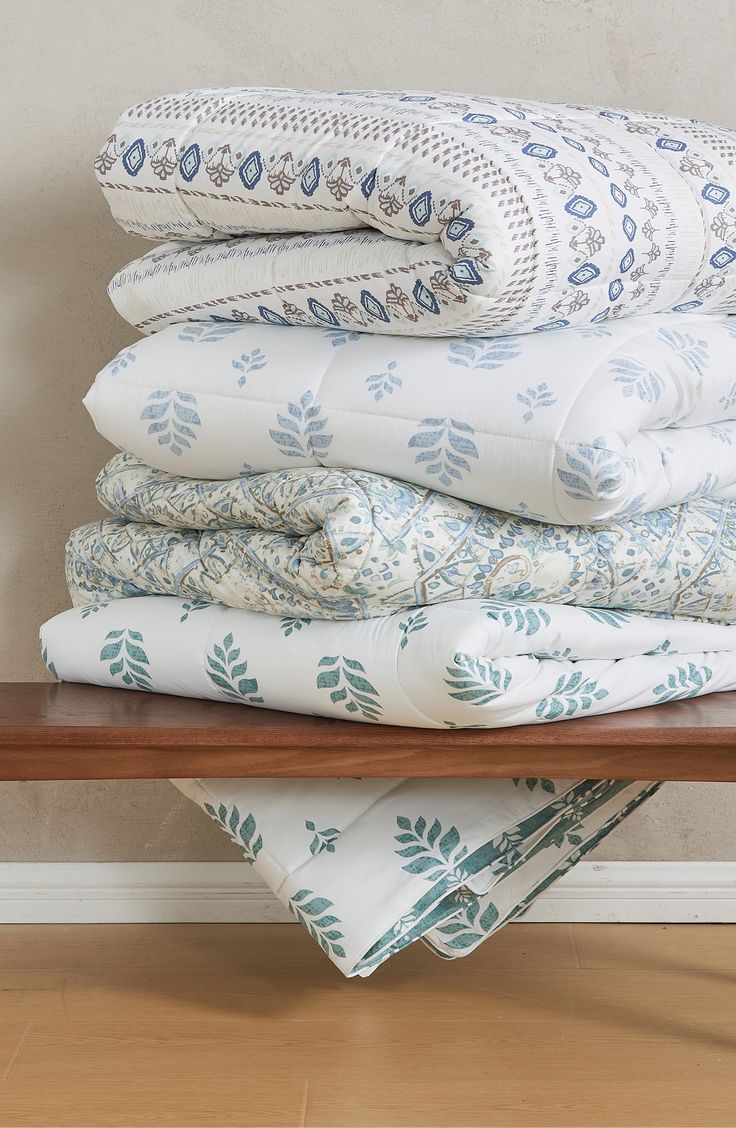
x=70, y=68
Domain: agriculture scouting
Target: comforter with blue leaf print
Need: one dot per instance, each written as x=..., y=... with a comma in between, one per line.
x=576, y=427
x=334, y=544
x=417, y=213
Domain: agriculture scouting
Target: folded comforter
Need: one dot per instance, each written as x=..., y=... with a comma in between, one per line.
x=573, y=427
x=368, y=866
x=420, y=214
x=475, y=663
x=336, y=544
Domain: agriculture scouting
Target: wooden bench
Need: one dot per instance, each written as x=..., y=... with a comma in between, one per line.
x=73, y=731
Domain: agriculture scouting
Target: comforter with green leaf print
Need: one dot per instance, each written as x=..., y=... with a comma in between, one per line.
x=369, y=866
x=337, y=544
x=475, y=663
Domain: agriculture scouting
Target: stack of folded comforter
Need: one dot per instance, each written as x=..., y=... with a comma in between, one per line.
x=435, y=426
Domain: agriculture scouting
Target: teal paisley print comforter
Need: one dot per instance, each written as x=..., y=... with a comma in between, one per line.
x=337, y=544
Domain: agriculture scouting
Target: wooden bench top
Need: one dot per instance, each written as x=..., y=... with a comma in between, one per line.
x=69, y=731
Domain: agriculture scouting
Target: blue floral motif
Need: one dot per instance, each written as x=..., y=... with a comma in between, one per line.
x=594, y=472
x=248, y=363
x=303, y=430
x=205, y=333
x=120, y=362
x=382, y=384
x=480, y=352
x=444, y=446
x=173, y=418
x=314, y=913
x=728, y=402
x=637, y=379
x=415, y=622
x=340, y=337
x=533, y=399
x=692, y=350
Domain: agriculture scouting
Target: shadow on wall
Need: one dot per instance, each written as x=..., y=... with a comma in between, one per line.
x=60, y=250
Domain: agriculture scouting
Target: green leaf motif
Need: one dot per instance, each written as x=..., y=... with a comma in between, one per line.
x=92, y=609
x=526, y=620
x=547, y=785
x=48, y=663
x=241, y=831
x=228, y=673
x=429, y=849
x=290, y=626
x=124, y=651
x=615, y=619
x=571, y=694
x=685, y=681
x=416, y=622
x=313, y=912
x=345, y=679
x=189, y=608
x=476, y=680
x=322, y=839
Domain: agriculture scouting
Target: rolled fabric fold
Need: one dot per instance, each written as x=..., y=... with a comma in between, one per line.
x=369, y=866
x=576, y=427
x=418, y=214
x=334, y=544
x=477, y=663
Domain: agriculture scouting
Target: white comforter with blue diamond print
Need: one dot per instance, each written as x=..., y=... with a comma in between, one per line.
x=418, y=214
x=335, y=544
x=574, y=427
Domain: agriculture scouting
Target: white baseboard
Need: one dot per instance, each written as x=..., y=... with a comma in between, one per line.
x=131, y=892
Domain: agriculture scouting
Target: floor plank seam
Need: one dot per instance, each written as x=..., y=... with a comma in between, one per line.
x=16, y=1052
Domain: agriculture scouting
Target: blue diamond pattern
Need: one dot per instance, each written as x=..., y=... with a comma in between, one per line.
x=559, y=324
x=372, y=306
x=456, y=228
x=627, y=261
x=581, y=207
x=368, y=183
x=598, y=166
x=715, y=193
x=420, y=209
x=671, y=143
x=466, y=272
x=615, y=290
x=584, y=274
x=425, y=298
x=629, y=228
x=134, y=156
x=574, y=144
x=619, y=196
x=685, y=306
x=251, y=170
x=272, y=318
x=722, y=257
x=480, y=119
x=310, y=177
x=190, y=162
x=322, y=313
x=541, y=152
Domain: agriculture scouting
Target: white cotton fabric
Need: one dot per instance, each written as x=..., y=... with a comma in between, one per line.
x=573, y=427
x=480, y=663
x=418, y=213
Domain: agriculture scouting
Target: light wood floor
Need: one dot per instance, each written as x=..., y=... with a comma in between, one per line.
x=249, y=1025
